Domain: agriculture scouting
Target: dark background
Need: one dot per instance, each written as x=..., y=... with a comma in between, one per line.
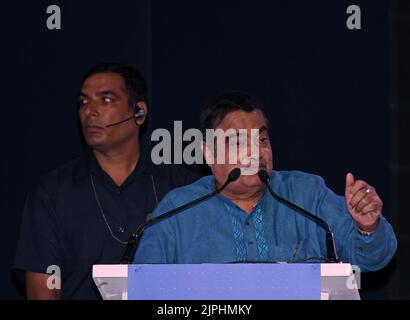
x=336, y=98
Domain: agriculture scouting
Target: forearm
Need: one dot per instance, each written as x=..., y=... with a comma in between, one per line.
x=37, y=287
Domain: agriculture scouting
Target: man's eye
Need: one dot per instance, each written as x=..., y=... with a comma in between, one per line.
x=107, y=100
x=83, y=101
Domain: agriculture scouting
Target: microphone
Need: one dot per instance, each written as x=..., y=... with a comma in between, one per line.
x=138, y=114
x=136, y=236
x=330, y=241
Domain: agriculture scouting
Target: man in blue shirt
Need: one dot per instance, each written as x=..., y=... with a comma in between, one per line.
x=244, y=223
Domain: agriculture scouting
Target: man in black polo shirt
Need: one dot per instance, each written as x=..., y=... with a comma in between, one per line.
x=84, y=212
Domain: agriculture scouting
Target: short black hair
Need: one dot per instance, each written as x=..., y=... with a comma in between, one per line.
x=216, y=109
x=134, y=81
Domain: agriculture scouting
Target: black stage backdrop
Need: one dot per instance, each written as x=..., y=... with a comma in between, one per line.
x=326, y=89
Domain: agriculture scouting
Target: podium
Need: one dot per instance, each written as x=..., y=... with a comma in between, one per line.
x=237, y=281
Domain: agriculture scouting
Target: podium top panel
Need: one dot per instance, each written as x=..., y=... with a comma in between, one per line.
x=121, y=270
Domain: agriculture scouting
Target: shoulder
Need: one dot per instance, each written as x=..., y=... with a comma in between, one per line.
x=68, y=172
x=296, y=175
x=296, y=179
x=184, y=194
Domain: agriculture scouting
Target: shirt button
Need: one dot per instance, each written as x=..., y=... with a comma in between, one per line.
x=247, y=223
x=121, y=229
x=250, y=242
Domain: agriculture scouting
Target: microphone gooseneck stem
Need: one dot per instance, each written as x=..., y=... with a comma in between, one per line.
x=330, y=241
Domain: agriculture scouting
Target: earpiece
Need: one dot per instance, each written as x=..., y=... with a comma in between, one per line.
x=139, y=112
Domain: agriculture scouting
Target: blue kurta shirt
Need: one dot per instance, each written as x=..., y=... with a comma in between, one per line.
x=218, y=231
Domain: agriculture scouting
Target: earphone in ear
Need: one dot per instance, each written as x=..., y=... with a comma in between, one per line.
x=139, y=112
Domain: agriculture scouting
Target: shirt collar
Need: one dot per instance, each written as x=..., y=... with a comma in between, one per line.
x=208, y=185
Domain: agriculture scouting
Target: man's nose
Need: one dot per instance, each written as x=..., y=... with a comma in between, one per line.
x=252, y=153
x=91, y=109
x=253, y=147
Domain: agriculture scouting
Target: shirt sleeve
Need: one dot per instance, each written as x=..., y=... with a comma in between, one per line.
x=369, y=253
x=39, y=245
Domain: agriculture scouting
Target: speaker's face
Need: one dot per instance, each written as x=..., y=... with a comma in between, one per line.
x=104, y=101
x=250, y=150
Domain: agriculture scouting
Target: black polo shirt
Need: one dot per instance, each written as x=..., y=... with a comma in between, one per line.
x=69, y=223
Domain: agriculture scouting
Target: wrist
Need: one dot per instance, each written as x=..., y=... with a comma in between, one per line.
x=367, y=230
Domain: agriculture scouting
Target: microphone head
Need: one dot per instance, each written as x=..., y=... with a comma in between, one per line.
x=234, y=174
x=263, y=176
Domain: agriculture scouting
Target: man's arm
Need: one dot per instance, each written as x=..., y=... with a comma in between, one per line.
x=370, y=252
x=39, y=243
x=36, y=287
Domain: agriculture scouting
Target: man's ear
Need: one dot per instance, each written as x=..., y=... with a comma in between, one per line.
x=141, y=105
x=208, y=155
